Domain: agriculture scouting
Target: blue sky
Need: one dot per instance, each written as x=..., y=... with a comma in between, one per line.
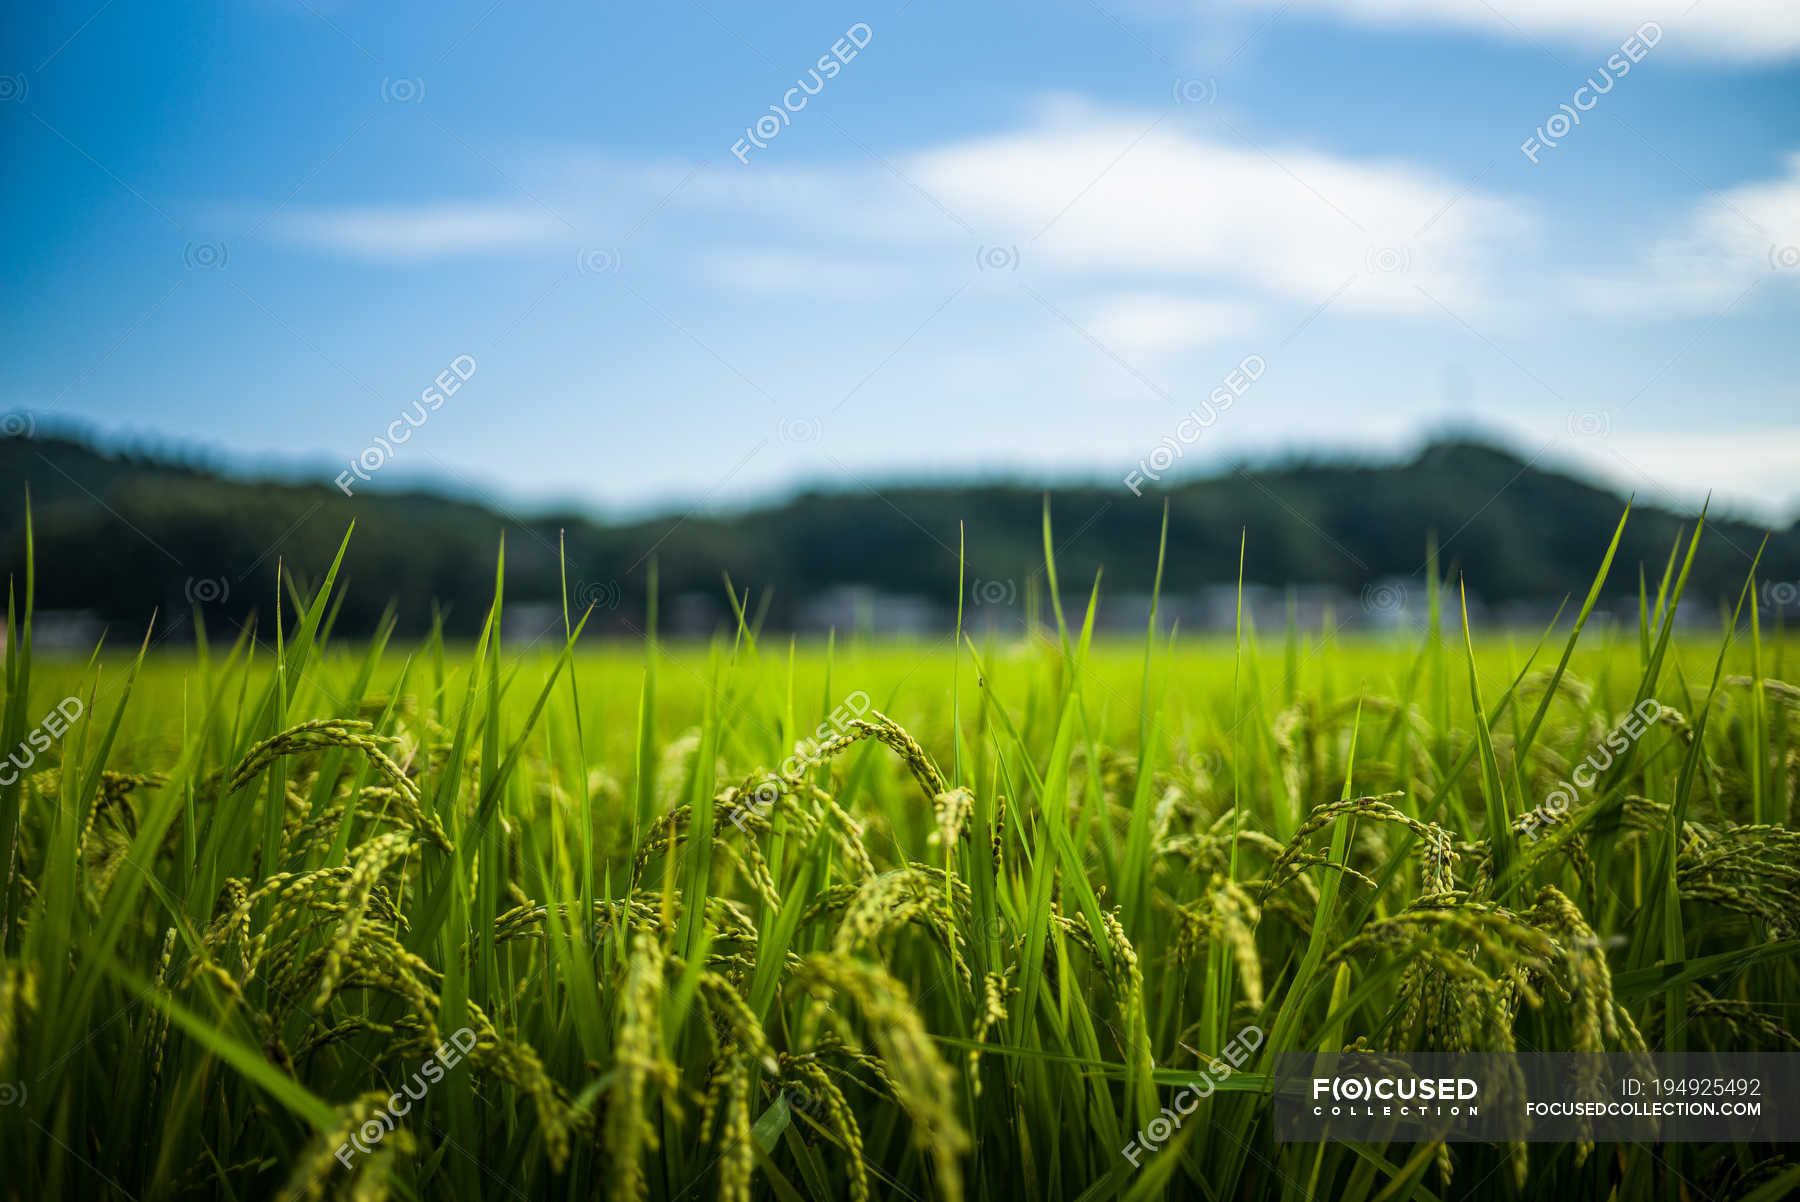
x=1020, y=239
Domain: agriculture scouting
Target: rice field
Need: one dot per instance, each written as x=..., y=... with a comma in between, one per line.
x=289, y=917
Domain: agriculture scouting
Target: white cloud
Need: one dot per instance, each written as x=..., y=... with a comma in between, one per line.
x=1111, y=200
x=802, y=273
x=1086, y=191
x=1148, y=323
x=1095, y=200
x=418, y=232
x=1749, y=471
x=1729, y=242
x=1730, y=29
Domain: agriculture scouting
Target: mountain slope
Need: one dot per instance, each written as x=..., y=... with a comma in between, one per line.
x=125, y=535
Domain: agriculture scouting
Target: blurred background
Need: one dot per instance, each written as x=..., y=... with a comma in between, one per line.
x=823, y=300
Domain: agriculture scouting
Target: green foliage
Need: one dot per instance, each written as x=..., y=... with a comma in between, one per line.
x=962, y=942
x=133, y=532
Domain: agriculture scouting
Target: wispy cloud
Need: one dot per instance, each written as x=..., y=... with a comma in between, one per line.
x=1102, y=200
x=1727, y=29
x=1147, y=324
x=401, y=232
x=807, y=273
x=1095, y=192
x=1752, y=470
x=1728, y=243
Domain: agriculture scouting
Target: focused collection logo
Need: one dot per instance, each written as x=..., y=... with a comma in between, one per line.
x=1395, y=1097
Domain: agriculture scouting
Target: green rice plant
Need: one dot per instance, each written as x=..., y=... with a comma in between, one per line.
x=967, y=943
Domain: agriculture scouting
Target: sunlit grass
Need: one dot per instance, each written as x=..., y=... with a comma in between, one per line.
x=965, y=945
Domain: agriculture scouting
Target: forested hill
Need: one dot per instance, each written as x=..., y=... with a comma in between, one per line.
x=123, y=535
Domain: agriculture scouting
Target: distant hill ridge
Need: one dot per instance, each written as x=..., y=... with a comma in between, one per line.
x=126, y=534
